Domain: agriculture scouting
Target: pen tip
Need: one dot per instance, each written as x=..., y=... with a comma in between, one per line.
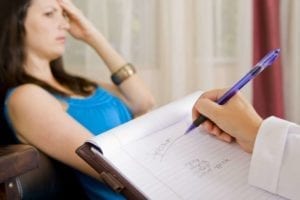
x=191, y=127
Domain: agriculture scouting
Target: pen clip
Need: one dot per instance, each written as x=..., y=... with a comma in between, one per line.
x=255, y=71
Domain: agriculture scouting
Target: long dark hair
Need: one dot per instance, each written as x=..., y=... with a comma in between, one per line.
x=12, y=54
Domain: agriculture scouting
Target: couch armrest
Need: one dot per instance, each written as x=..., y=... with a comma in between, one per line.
x=26, y=173
x=16, y=160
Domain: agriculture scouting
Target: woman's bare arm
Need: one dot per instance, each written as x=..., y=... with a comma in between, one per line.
x=40, y=120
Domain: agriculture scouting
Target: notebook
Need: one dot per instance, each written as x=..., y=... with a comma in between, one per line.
x=150, y=157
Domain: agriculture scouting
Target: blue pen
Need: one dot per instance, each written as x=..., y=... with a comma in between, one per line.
x=266, y=61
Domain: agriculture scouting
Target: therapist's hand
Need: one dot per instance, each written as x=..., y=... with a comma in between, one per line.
x=235, y=120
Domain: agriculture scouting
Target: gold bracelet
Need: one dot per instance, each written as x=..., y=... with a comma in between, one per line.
x=123, y=73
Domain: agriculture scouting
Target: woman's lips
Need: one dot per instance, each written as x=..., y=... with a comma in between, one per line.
x=61, y=39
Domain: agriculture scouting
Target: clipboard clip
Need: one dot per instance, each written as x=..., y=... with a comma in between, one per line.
x=109, y=179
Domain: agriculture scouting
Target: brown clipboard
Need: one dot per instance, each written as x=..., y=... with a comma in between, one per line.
x=107, y=173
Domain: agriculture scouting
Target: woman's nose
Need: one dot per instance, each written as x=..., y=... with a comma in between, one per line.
x=64, y=23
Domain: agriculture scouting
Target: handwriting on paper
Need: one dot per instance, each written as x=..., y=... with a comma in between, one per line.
x=161, y=150
x=203, y=167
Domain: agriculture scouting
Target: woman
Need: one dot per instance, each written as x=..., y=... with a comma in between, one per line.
x=49, y=108
x=273, y=142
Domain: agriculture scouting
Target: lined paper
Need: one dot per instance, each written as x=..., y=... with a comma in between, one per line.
x=164, y=163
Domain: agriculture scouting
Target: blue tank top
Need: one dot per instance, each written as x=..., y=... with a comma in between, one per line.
x=98, y=113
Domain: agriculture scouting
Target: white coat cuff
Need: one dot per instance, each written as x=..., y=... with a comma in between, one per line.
x=267, y=154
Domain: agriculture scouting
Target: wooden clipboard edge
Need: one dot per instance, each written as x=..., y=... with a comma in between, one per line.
x=108, y=174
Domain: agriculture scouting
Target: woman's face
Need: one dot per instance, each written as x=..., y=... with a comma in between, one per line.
x=45, y=27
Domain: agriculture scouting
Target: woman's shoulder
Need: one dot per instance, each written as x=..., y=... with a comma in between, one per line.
x=25, y=88
x=29, y=95
x=26, y=91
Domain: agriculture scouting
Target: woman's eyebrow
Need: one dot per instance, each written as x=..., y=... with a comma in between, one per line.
x=53, y=8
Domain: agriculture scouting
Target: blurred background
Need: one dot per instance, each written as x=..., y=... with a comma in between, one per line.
x=180, y=46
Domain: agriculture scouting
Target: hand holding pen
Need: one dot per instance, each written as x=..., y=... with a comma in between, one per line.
x=257, y=69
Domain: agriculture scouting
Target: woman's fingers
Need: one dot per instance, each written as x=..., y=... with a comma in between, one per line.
x=71, y=10
x=80, y=26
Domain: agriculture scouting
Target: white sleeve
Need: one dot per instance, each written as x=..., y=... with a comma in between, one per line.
x=275, y=163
